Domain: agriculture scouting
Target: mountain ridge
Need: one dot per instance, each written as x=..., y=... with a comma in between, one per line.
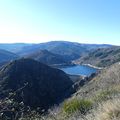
x=46, y=57
x=69, y=50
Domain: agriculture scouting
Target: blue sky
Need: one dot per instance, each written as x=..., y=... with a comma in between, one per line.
x=84, y=21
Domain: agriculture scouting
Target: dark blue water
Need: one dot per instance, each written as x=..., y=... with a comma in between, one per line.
x=79, y=70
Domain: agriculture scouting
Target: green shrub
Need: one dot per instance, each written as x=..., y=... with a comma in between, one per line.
x=76, y=105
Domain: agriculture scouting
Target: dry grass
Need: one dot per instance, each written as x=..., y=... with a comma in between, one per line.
x=109, y=110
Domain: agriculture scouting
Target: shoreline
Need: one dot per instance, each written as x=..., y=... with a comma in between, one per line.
x=99, y=68
x=62, y=65
x=72, y=65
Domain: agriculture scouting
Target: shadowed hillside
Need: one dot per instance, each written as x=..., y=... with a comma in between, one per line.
x=6, y=56
x=46, y=57
x=33, y=84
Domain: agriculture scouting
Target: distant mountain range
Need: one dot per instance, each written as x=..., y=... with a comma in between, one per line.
x=69, y=50
x=54, y=52
x=13, y=47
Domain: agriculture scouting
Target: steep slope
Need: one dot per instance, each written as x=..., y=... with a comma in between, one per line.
x=101, y=57
x=33, y=83
x=107, y=79
x=104, y=92
x=46, y=57
x=69, y=50
x=99, y=99
x=7, y=56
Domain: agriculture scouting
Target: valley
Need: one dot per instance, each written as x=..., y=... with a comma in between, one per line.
x=50, y=76
x=59, y=59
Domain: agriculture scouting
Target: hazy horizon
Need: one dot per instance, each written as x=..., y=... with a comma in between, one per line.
x=38, y=21
x=55, y=41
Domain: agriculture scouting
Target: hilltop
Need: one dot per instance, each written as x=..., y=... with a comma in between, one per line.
x=33, y=84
